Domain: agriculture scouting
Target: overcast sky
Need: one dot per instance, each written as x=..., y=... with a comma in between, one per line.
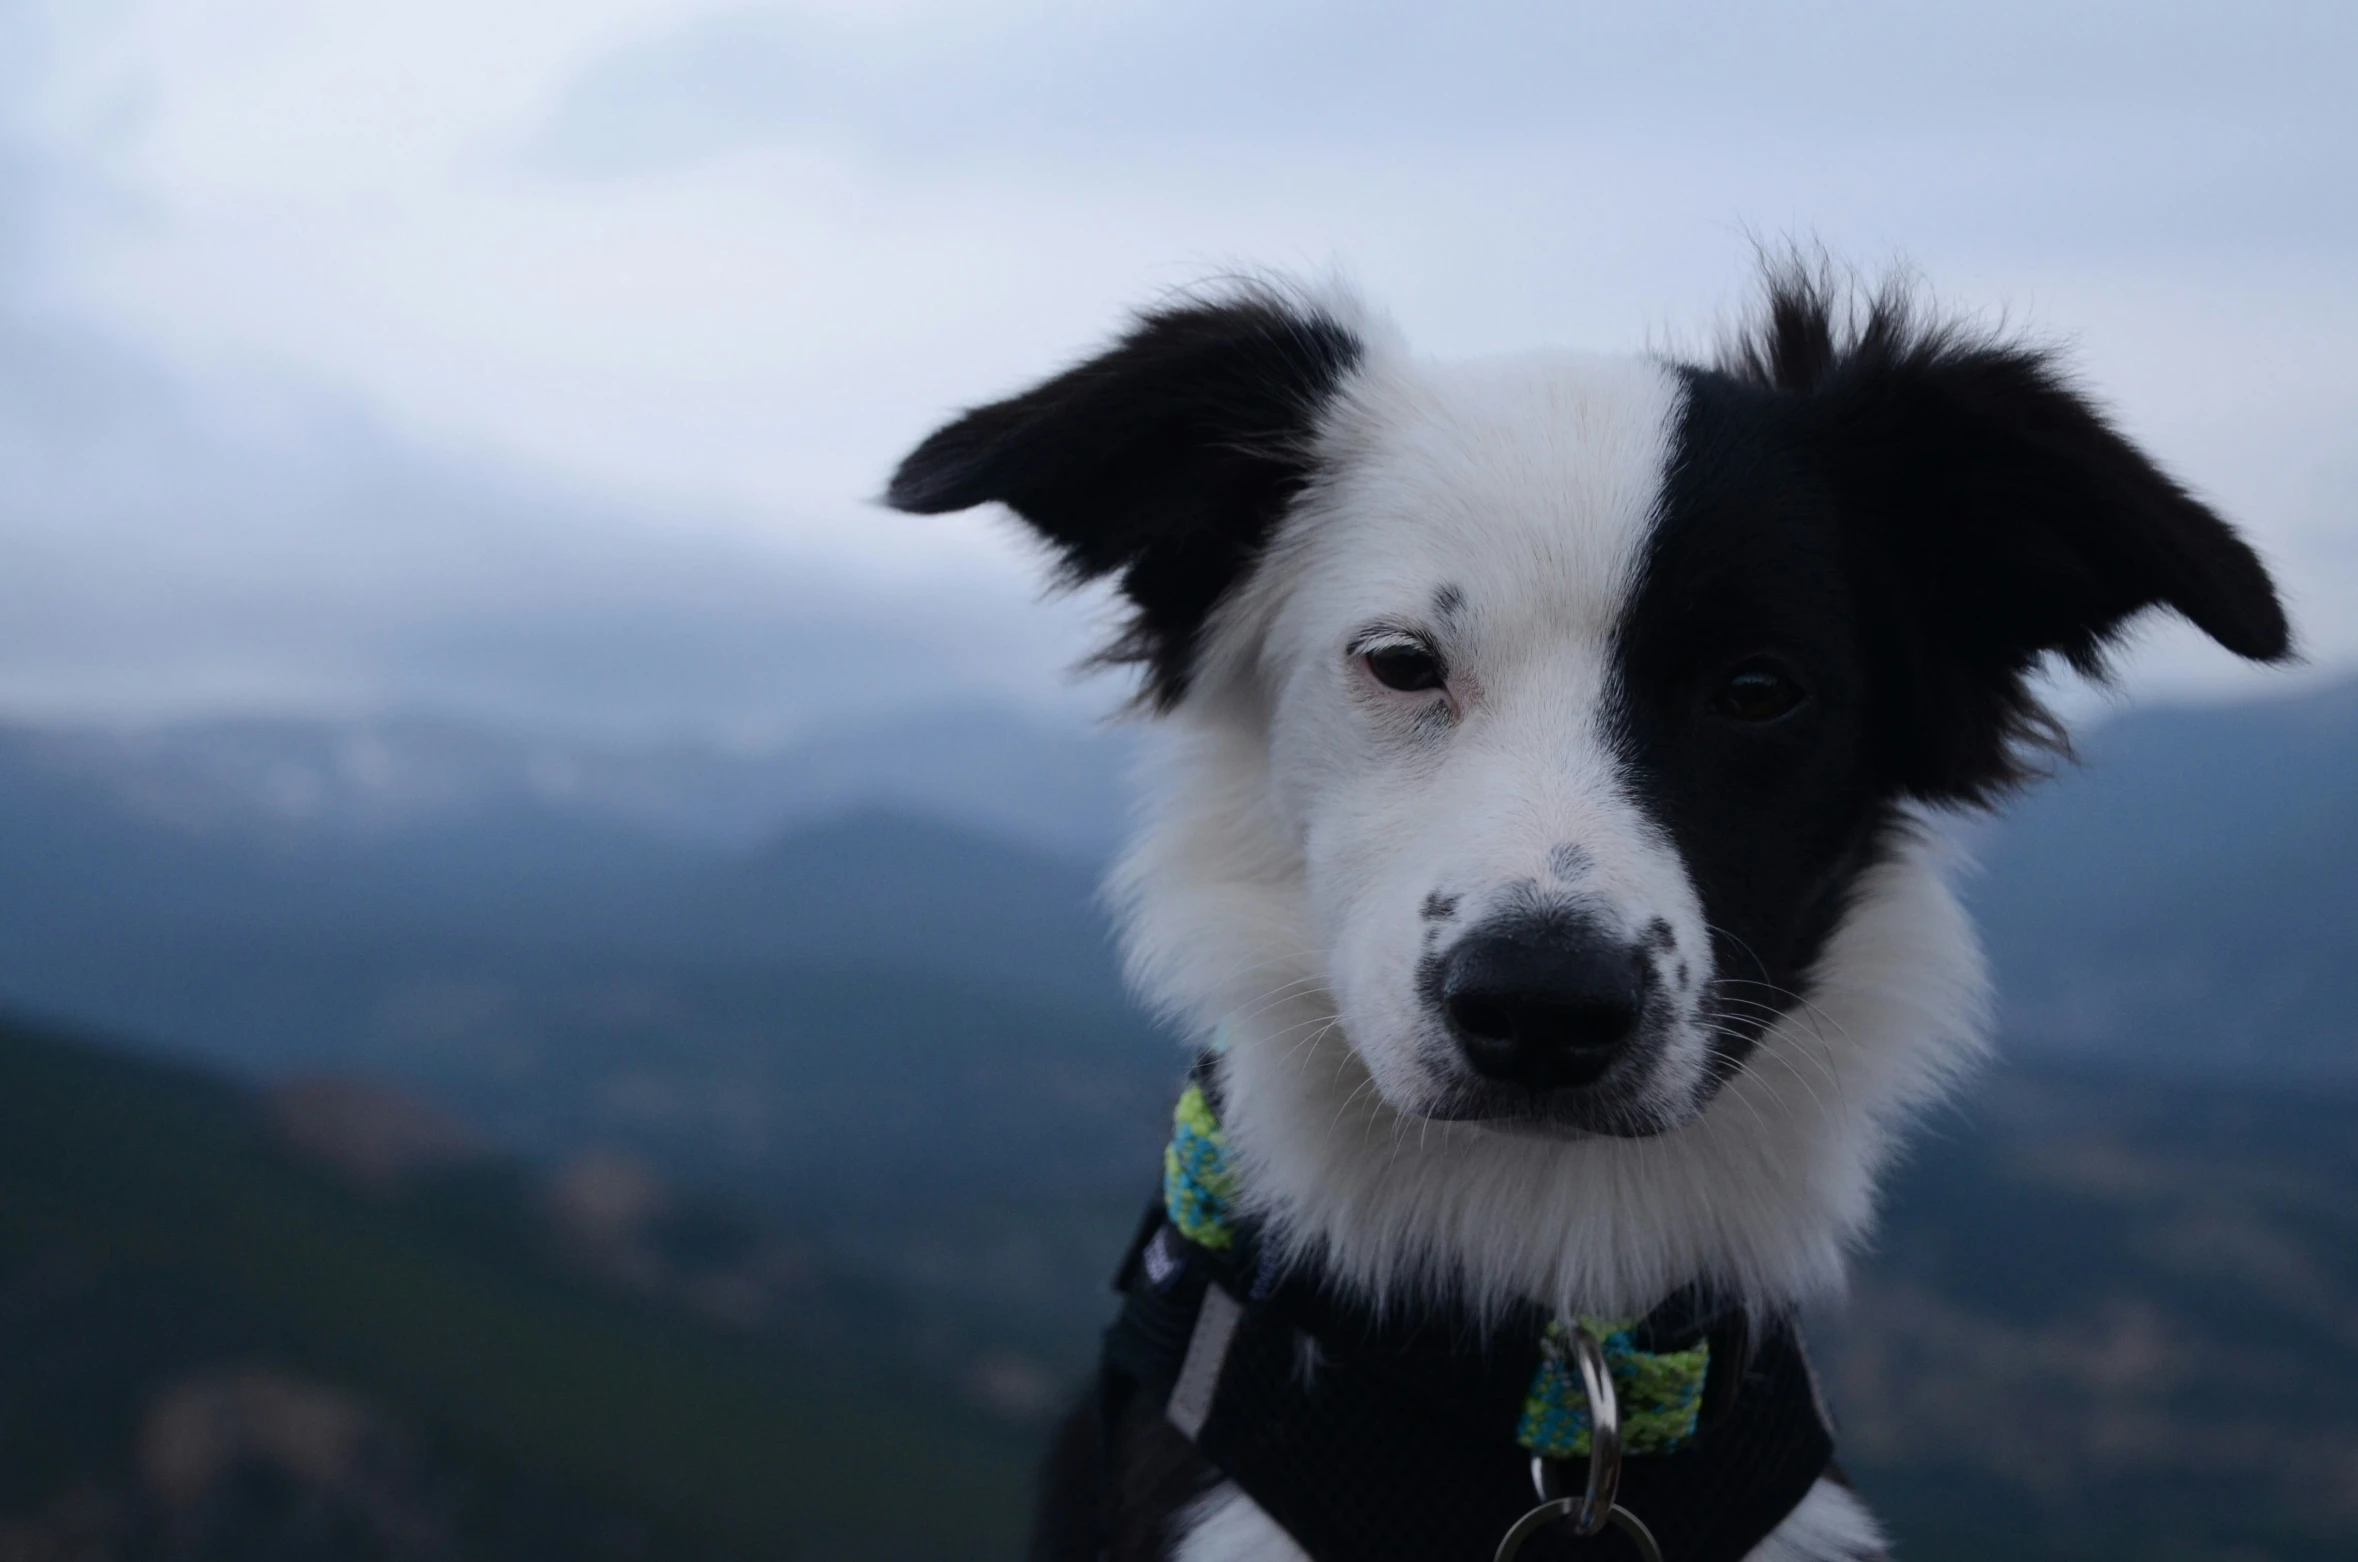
x=535, y=358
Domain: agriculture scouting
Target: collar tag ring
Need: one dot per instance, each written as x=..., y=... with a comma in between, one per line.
x=1595, y=1508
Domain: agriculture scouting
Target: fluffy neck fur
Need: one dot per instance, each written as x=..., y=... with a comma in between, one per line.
x=1762, y=1197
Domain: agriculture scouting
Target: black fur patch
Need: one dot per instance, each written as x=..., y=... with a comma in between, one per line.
x=1904, y=519
x=1984, y=514
x=1164, y=460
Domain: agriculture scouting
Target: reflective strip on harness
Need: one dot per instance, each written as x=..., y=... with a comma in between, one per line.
x=1207, y=1353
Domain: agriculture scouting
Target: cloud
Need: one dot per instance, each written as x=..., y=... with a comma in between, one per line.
x=181, y=537
x=168, y=554
x=376, y=580
x=540, y=355
x=965, y=85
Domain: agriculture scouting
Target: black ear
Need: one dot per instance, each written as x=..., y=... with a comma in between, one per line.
x=1166, y=459
x=1992, y=517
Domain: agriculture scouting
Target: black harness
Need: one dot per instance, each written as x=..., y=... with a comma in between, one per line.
x=1392, y=1439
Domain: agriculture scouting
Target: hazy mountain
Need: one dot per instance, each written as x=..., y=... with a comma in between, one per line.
x=2187, y=895
x=876, y=1010
x=1058, y=787
x=876, y=998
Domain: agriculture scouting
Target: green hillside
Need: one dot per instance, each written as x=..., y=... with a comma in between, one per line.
x=160, y=1195
x=2107, y=1320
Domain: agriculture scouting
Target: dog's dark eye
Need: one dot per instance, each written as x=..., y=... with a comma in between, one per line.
x=1756, y=692
x=1406, y=666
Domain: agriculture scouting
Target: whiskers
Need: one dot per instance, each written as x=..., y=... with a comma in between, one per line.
x=1752, y=1029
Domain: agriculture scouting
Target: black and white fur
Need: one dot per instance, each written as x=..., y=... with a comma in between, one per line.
x=1547, y=743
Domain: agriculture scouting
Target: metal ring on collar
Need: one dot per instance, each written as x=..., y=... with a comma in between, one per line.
x=1596, y=1507
x=1604, y=1433
x=1604, y=1436
x=1547, y=1513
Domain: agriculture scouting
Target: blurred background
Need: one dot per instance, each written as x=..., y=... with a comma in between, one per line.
x=554, y=1002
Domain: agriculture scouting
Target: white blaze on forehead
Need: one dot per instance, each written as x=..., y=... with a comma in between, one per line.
x=1503, y=507
x=1529, y=483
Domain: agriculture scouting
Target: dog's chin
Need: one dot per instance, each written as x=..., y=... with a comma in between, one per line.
x=1608, y=1109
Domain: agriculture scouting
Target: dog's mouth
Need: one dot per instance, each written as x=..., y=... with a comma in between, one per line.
x=1609, y=1109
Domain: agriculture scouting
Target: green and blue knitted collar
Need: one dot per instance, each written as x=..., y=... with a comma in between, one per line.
x=1660, y=1392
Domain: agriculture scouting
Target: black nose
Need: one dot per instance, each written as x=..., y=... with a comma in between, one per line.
x=1543, y=1002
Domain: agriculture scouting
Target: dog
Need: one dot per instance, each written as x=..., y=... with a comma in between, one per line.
x=1545, y=823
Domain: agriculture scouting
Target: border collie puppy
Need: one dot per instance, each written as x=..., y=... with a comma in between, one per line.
x=1540, y=834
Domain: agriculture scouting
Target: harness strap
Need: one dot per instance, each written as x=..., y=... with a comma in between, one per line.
x=1409, y=1440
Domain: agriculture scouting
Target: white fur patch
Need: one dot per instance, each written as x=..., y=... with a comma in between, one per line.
x=1831, y=1525
x=1226, y=1526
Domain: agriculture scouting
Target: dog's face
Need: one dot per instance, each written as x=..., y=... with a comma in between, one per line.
x=1588, y=688
x=1575, y=756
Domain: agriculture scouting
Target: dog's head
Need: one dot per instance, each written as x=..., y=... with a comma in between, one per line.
x=1587, y=689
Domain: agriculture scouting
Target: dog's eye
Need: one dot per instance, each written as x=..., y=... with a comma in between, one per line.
x=1405, y=665
x=1756, y=692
